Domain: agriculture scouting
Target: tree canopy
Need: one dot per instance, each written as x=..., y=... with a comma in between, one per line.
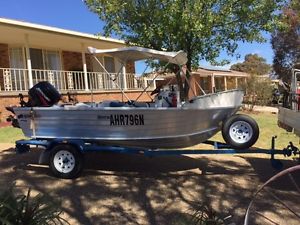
x=202, y=28
x=253, y=64
x=286, y=42
x=258, y=90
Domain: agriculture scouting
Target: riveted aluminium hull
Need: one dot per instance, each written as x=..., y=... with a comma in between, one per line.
x=130, y=126
x=289, y=119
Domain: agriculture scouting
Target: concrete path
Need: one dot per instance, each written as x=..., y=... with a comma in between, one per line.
x=258, y=108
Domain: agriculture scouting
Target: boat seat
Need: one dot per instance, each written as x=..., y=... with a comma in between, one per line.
x=141, y=104
x=77, y=106
x=111, y=104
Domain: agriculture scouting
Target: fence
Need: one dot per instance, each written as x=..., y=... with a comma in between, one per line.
x=12, y=80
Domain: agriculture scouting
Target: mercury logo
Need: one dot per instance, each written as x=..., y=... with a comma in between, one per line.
x=42, y=93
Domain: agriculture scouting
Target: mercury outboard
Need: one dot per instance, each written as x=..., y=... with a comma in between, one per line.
x=43, y=94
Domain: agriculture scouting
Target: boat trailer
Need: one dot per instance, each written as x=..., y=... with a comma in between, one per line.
x=65, y=156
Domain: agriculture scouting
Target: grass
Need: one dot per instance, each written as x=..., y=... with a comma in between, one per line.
x=267, y=123
x=268, y=127
x=10, y=134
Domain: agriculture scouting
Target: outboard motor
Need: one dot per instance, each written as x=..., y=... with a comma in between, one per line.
x=43, y=94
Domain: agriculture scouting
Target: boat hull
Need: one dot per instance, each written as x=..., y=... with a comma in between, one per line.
x=127, y=126
x=153, y=128
x=289, y=120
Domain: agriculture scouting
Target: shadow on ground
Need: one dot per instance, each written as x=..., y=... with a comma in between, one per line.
x=134, y=189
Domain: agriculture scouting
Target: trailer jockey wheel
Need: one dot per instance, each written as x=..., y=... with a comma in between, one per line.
x=65, y=161
x=240, y=131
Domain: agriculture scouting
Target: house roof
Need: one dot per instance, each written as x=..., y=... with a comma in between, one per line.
x=13, y=32
x=214, y=68
x=204, y=72
x=219, y=72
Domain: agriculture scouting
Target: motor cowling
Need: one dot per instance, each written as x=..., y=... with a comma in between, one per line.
x=43, y=94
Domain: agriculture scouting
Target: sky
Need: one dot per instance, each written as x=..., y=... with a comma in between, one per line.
x=74, y=15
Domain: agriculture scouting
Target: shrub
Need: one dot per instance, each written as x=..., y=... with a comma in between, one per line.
x=20, y=209
x=259, y=91
x=204, y=214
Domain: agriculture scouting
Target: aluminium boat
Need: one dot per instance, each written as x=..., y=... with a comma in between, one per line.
x=164, y=123
x=289, y=112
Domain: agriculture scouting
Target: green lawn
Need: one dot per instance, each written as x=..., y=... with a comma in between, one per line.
x=267, y=123
x=10, y=134
x=268, y=126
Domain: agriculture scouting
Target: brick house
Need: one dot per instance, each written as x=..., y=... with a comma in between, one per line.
x=209, y=79
x=30, y=53
x=215, y=79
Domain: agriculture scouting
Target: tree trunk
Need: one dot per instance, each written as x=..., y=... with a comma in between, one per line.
x=177, y=71
x=186, y=83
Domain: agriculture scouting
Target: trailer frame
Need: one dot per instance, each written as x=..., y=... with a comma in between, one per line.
x=82, y=146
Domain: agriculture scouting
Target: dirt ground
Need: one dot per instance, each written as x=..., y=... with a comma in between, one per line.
x=134, y=189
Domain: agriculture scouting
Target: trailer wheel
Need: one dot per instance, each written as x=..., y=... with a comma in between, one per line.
x=240, y=131
x=65, y=161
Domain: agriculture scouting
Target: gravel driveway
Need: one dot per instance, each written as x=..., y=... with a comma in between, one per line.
x=134, y=189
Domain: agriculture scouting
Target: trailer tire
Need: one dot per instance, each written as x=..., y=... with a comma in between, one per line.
x=65, y=161
x=240, y=131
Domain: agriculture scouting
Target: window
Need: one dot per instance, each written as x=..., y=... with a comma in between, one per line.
x=16, y=58
x=40, y=59
x=95, y=64
x=45, y=59
x=17, y=79
x=36, y=56
x=231, y=83
x=52, y=60
x=205, y=84
x=104, y=80
x=219, y=84
x=109, y=64
x=41, y=62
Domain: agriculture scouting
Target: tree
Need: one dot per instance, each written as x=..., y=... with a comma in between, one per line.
x=202, y=28
x=253, y=64
x=258, y=89
x=286, y=42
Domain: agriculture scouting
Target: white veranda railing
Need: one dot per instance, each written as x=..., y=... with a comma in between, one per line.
x=12, y=79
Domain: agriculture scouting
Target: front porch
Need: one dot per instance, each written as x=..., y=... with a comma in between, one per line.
x=30, y=53
x=20, y=80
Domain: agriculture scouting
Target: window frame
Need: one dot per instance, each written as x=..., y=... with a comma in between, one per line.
x=10, y=47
